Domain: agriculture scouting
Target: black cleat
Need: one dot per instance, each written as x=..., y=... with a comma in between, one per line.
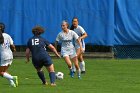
x=83, y=72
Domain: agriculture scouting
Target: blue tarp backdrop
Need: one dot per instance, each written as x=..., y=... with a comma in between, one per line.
x=107, y=22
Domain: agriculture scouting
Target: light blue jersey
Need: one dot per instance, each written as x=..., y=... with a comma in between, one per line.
x=80, y=31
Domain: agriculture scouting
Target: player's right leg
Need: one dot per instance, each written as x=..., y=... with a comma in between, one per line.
x=75, y=60
x=82, y=64
x=38, y=66
x=3, y=72
x=68, y=62
x=6, y=75
x=51, y=71
x=80, y=59
x=78, y=52
x=41, y=75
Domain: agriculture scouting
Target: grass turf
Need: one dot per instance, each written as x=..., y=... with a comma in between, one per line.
x=102, y=76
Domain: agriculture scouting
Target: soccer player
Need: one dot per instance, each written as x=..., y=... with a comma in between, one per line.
x=66, y=37
x=40, y=57
x=6, y=56
x=82, y=35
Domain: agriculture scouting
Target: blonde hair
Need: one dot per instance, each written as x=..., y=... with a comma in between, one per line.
x=65, y=21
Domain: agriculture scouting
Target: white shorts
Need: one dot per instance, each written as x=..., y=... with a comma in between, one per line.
x=6, y=62
x=77, y=47
x=70, y=52
x=71, y=56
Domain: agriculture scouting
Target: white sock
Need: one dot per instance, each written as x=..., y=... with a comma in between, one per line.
x=79, y=72
x=70, y=69
x=82, y=66
x=11, y=82
x=7, y=76
x=73, y=68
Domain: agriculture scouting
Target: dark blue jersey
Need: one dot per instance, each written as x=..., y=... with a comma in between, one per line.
x=37, y=45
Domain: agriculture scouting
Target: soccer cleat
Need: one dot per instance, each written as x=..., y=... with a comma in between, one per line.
x=13, y=85
x=15, y=78
x=79, y=77
x=53, y=84
x=72, y=74
x=45, y=83
x=83, y=72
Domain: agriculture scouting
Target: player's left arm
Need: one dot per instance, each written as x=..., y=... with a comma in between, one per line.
x=13, y=48
x=50, y=46
x=84, y=34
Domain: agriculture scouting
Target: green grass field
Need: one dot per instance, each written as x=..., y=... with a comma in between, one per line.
x=102, y=76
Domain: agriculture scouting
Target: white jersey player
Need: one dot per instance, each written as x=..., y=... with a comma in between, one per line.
x=6, y=53
x=67, y=47
x=6, y=56
x=80, y=31
x=82, y=34
x=68, y=51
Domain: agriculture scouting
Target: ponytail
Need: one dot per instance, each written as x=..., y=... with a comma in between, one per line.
x=72, y=27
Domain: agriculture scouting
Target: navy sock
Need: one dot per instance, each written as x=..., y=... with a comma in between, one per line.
x=41, y=76
x=52, y=77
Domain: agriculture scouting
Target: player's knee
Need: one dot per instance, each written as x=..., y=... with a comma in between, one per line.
x=51, y=70
x=1, y=73
x=69, y=66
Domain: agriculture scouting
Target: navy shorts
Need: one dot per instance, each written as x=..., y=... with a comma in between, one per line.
x=39, y=63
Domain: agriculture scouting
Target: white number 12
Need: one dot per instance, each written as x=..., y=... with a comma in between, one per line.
x=35, y=41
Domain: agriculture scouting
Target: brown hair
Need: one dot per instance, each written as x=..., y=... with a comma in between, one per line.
x=75, y=18
x=37, y=30
x=72, y=27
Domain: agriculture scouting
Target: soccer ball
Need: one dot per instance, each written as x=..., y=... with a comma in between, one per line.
x=59, y=75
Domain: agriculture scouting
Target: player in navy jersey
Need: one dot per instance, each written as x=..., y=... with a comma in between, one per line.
x=40, y=57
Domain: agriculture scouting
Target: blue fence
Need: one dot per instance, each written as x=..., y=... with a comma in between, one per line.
x=107, y=22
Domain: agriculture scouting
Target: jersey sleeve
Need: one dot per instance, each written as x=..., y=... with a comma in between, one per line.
x=11, y=40
x=82, y=30
x=75, y=35
x=58, y=38
x=47, y=43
